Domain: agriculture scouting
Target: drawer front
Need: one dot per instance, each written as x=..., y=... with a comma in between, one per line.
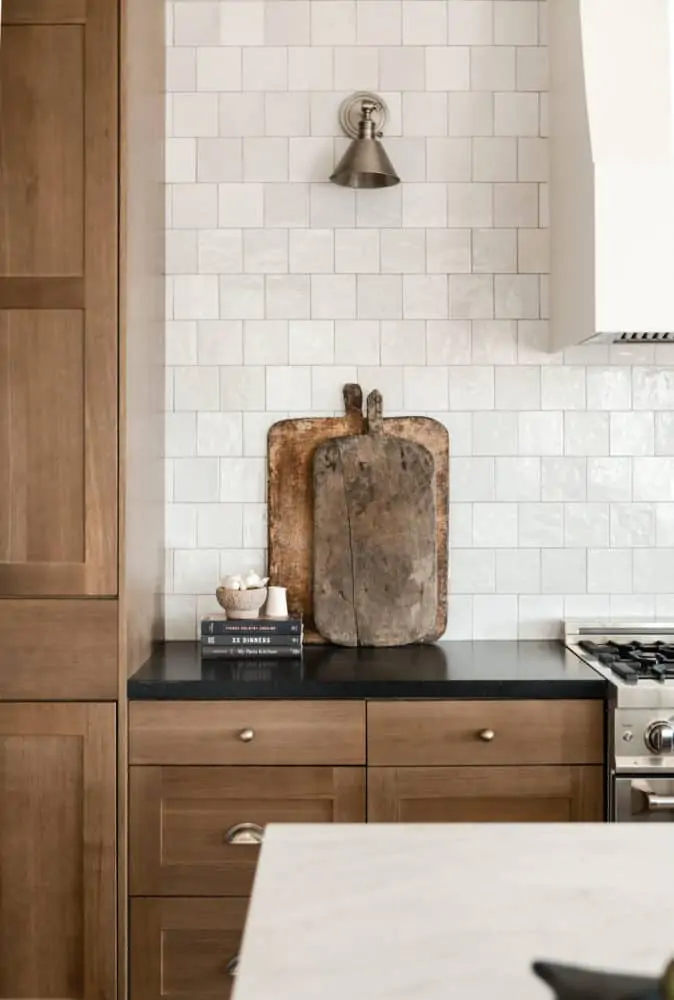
x=560, y=793
x=196, y=830
x=485, y=732
x=247, y=732
x=184, y=949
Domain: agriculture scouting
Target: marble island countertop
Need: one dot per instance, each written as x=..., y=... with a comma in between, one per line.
x=526, y=669
x=453, y=911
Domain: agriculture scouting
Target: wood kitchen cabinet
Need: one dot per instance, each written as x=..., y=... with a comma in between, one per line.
x=195, y=831
x=485, y=761
x=81, y=344
x=207, y=777
x=57, y=851
x=557, y=794
x=81, y=471
x=58, y=298
x=185, y=949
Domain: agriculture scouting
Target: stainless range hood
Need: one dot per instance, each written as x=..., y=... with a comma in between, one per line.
x=612, y=171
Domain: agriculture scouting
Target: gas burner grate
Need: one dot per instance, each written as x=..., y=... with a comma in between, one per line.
x=634, y=661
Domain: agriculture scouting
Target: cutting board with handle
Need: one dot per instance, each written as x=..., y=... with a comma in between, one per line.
x=291, y=448
x=375, y=547
x=291, y=445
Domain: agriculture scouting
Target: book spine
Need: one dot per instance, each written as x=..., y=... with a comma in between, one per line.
x=251, y=640
x=251, y=652
x=251, y=627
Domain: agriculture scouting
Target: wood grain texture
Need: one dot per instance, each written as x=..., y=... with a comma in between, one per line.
x=142, y=226
x=431, y=434
x=179, y=817
x=101, y=275
x=375, y=561
x=40, y=12
x=557, y=794
x=285, y=732
x=42, y=73
x=141, y=362
x=42, y=515
x=57, y=855
x=291, y=447
x=58, y=300
x=72, y=654
x=180, y=948
x=42, y=293
x=141, y=374
x=448, y=732
x=122, y=847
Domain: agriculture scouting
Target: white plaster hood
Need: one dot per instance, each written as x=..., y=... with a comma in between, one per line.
x=612, y=170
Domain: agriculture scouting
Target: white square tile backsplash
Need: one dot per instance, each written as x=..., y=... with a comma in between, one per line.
x=282, y=287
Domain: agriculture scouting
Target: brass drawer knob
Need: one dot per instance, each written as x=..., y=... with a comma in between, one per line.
x=487, y=735
x=247, y=735
x=244, y=834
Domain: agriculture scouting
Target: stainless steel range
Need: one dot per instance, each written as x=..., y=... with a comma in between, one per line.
x=637, y=657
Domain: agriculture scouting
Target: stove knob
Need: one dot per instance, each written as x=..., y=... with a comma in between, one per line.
x=660, y=737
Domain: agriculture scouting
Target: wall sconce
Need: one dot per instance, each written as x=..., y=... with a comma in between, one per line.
x=365, y=163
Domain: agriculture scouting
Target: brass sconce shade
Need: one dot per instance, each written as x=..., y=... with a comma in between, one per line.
x=365, y=163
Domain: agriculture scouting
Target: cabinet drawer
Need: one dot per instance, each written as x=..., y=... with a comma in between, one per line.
x=560, y=793
x=247, y=732
x=184, y=948
x=485, y=732
x=196, y=830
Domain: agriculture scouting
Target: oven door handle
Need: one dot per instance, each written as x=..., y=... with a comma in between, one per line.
x=659, y=803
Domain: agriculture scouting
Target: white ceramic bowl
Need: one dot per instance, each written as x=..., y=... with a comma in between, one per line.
x=241, y=604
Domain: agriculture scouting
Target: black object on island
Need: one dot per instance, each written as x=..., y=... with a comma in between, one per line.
x=571, y=983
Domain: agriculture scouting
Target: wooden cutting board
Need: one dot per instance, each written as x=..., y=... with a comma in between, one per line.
x=375, y=556
x=291, y=448
x=291, y=445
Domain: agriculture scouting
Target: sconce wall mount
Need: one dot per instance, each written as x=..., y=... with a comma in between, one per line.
x=365, y=164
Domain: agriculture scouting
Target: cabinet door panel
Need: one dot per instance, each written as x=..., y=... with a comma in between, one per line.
x=42, y=443
x=57, y=851
x=184, y=949
x=557, y=794
x=43, y=202
x=183, y=820
x=58, y=299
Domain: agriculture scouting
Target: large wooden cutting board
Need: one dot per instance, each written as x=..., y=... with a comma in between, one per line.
x=375, y=562
x=291, y=448
x=291, y=445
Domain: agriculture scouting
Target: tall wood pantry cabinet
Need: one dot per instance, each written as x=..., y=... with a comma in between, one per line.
x=81, y=484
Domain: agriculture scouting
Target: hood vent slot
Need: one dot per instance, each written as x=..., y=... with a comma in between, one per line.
x=644, y=338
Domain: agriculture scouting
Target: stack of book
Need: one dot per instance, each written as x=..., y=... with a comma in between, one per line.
x=275, y=638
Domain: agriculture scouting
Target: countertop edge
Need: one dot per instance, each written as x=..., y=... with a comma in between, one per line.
x=374, y=691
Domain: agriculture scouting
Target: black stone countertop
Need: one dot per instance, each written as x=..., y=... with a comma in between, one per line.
x=531, y=669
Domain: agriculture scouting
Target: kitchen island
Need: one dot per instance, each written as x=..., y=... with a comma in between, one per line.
x=452, y=911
